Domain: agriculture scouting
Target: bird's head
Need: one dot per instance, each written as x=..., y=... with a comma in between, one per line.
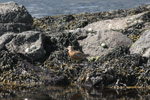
x=69, y=48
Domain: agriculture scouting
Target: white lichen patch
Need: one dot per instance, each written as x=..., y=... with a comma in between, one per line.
x=30, y=49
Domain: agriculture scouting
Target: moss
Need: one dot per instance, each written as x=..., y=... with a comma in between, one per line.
x=92, y=58
x=134, y=37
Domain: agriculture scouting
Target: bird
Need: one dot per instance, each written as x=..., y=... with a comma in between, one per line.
x=76, y=55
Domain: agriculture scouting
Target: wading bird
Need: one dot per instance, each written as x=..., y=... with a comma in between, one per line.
x=76, y=55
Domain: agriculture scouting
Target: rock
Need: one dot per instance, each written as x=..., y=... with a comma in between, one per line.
x=142, y=45
x=113, y=66
x=56, y=79
x=13, y=27
x=102, y=42
x=12, y=12
x=118, y=68
x=14, y=18
x=115, y=24
x=74, y=21
x=29, y=43
x=68, y=18
x=79, y=32
x=19, y=72
x=6, y=38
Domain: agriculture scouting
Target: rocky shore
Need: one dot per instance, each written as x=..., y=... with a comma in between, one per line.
x=33, y=51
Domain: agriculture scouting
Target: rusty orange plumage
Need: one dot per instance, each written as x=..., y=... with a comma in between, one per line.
x=76, y=55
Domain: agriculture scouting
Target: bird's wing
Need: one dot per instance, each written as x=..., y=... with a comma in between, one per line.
x=79, y=54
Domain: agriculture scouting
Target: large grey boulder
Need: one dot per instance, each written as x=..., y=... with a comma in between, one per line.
x=14, y=18
x=142, y=45
x=116, y=23
x=103, y=42
x=29, y=43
